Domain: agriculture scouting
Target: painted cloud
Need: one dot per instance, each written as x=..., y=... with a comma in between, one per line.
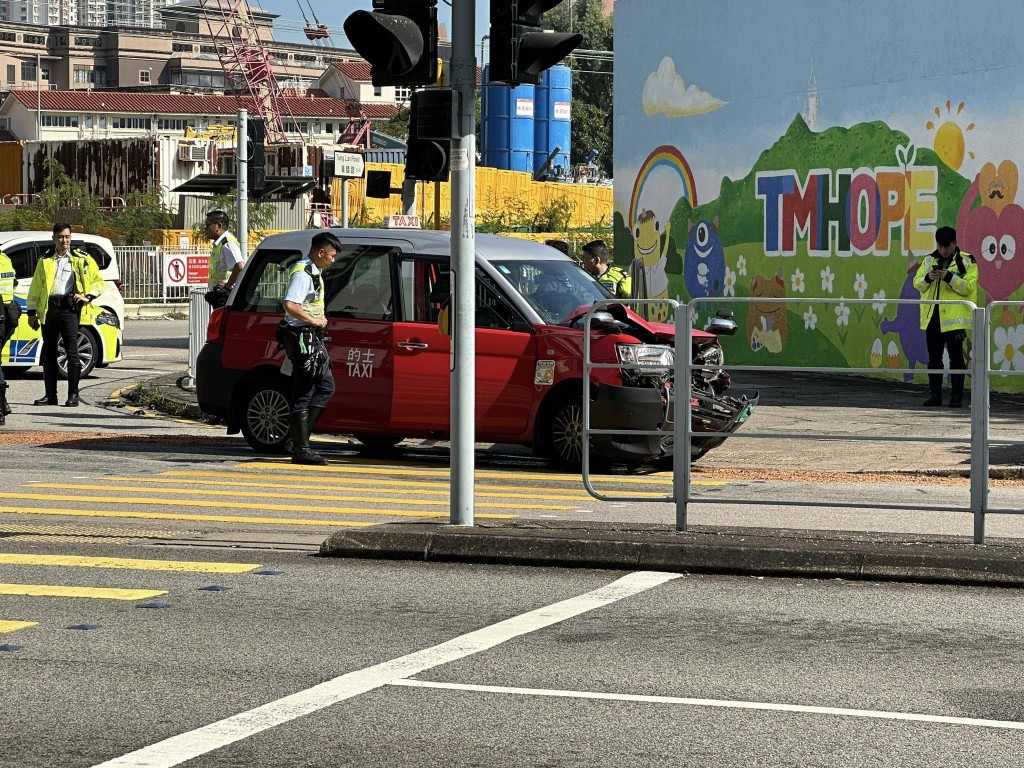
x=666, y=92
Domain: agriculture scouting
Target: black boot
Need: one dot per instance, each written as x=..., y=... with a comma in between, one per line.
x=956, y=400
x=74, y=374
x=314, y=417
x=301, y=452
x=3, y=397
x=935, y=385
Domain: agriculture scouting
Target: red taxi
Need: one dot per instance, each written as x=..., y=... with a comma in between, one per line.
x=383, y=296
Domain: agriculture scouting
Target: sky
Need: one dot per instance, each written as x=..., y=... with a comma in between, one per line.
x=333, y=13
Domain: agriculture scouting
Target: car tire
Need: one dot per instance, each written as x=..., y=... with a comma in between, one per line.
x=378, y=443
x=264, y=416
x=564, y=435
x=88, y=353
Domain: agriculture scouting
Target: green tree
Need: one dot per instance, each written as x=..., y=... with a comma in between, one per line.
x=396, y=126
x=261, y=215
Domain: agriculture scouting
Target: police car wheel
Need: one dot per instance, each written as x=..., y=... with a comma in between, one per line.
x=265, y=417
x=88, y=353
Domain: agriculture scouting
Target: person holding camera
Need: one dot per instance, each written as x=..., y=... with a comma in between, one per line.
x=947, y=273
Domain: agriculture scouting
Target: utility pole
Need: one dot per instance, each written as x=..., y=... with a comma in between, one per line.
x=242, y=181
x=463, y=274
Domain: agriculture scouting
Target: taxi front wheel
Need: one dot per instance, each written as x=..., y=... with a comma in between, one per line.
x=265, y=416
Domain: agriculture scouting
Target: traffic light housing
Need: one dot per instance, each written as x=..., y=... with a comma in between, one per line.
x=399, y=39
x=520, y=50
x=256, y=156
x=428, y=149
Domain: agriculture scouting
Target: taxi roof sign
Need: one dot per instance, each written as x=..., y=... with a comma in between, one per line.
x=402, y=222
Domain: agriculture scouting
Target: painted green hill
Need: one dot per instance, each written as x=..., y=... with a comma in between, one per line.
x=868, y=145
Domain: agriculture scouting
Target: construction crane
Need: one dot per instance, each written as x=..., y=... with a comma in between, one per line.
x=246, y=63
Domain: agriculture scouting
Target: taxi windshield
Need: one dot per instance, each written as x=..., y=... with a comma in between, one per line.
x=552, y=287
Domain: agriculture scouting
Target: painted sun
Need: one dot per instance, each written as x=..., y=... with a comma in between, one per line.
x=949, y=143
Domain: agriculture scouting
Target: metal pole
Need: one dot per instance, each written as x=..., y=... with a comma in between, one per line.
x=683, y=393
x=979, y=421
x=463, y=247
x=242, y=182
x=409, y=197
x=344, y=203
x=39, y=98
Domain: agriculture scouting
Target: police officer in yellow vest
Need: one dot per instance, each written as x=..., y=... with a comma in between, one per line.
x=946, y=274
x=65, y=280
x=226, y=260
x=302, y=334
x=615, y=279
x=7, y=285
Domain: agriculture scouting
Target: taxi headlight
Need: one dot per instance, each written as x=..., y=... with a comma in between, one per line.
x=645, y=355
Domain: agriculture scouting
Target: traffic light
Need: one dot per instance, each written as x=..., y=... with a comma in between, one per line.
x=256, y=156
x=430, y=129
x=399, y=39
x=520, y=50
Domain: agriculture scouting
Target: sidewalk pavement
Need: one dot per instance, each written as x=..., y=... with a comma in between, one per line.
x=177, y=310
x=790, y=403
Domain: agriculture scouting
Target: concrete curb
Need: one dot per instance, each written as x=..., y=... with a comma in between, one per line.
x=156, y=311
x=738, y=552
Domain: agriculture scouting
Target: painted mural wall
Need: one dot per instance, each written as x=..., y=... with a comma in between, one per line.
x=809, y=149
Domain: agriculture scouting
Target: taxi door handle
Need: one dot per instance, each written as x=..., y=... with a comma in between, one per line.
x=413, y=345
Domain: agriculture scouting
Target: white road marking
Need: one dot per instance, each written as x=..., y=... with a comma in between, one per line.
x=186, y=746
x=1012, y=725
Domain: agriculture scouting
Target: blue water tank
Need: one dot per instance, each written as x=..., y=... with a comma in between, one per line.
x=506, y=126
x=552, y=123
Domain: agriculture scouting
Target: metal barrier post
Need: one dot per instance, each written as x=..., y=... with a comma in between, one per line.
x=681, y=440
x=979, y=421
x=199, y=312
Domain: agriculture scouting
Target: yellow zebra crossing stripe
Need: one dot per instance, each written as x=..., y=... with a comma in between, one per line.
x=426, y=488
x=442, y=509
x=200, y=518
x=248, y=493
x=14, y=626
x=75, y=561
x=98, y=593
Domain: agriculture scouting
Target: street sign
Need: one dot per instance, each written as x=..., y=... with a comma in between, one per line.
x=349, y=165
x=186, y=269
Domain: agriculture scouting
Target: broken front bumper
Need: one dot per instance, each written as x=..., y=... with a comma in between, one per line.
x=633, y=409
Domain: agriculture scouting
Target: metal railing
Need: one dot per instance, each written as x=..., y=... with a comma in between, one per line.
x=142, y=272
x=199, y=311
x=979, y=369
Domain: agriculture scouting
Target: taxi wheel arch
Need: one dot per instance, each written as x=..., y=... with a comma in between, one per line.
x=262, y=411
x=90, y=351
x=559, y=423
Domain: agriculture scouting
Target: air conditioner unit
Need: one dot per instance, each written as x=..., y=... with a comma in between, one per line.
x=191, y=153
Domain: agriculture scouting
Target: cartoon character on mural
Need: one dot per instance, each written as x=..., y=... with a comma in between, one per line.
x=907, y=326
x=991, y=231
x=704, y=267
x=768, y=321
x=651, y=250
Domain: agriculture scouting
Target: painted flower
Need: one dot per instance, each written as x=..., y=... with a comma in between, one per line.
x=1007, y=351
x=797, y=281
x=860, y=285
x=741, y=264
x=827, y=278
x=730, y=283
x=842, y=313
x=879, y=304
x=810, y=319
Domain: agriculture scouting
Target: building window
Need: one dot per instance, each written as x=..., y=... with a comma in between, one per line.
x=144, y=76
x=28, y=70
x=46, y=74
x=329, y=128
x=60, y=121
x=11, y=74
x=377, y=91
x=402, y=93
x=94, y=75
x=174, y=123
x=131, y=123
